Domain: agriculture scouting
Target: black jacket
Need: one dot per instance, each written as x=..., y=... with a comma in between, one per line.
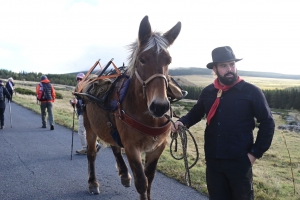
x=5, y=95
x=8, y=86
x=230, y=132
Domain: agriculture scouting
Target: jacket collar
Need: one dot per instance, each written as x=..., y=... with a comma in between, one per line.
x=238, y=86
x=45, y=81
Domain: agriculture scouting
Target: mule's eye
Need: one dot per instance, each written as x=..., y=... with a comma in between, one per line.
x=142, y=61
x=169, y=61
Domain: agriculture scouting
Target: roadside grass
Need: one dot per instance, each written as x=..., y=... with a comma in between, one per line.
x=272, y=173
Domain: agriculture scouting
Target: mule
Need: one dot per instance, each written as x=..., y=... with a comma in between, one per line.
x=140, y=119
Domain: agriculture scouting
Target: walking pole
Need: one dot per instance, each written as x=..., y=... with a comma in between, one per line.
x=10, y=112
x=72, y=130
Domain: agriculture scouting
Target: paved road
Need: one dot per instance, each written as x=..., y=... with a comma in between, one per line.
x=35, y=164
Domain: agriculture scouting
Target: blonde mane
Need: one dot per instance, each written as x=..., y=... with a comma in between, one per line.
x=157, y=41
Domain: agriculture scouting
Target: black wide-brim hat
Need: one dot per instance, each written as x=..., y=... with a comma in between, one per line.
x=222, y=54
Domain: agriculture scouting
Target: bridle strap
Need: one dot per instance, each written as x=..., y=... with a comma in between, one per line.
x=144, y=83
x=143, y=128
x=150, y=78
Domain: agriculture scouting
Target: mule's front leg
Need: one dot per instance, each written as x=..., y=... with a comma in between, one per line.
x=93, y=184
x=122, y=167
x=140, y=180
x=150, y=166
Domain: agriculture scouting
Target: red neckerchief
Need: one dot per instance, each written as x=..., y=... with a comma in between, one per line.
x=221, y=88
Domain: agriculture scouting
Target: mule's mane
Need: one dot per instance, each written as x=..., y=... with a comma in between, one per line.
x=156, y=41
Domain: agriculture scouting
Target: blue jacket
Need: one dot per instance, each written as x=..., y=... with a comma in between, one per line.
x=230, y=132
x=79, y=106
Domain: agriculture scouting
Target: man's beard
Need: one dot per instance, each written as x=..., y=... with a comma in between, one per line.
x=227, y=80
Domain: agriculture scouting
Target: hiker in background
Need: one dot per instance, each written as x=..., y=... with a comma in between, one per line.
x=10, y=87
x=46, y=95
x=81, y=130
x=231, y=106
x=3, y=94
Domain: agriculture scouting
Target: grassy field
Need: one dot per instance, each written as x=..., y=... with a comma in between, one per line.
x=273, y=179
x=262, y=83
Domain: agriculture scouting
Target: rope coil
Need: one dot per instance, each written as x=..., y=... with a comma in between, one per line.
x=183, y=134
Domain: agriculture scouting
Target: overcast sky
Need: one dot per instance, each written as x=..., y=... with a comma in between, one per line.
x=62, y=36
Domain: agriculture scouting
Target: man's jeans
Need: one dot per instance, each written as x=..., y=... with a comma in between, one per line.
x=229, y=179
x=48, y=106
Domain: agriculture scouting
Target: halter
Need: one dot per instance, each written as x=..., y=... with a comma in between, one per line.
x=130, y=121
x=143, y=128
x=144, y=83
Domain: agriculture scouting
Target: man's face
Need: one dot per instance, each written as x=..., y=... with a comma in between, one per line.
x=226, y=72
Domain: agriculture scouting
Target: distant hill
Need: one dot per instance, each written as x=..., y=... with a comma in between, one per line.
x=204, y=71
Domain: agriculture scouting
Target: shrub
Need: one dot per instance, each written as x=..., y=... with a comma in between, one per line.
x=59, y=95
x=30, y=92
x=25, y=91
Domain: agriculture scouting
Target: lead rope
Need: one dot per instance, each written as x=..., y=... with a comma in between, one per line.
x=182, y=132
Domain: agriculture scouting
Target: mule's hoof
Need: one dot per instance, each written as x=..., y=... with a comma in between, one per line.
x=126, y=182
x=94, y=190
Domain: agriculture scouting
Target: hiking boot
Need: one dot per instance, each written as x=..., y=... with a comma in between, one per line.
x=2, y=127
x=44, y=126
x=81, y=152
x=98, y=147
x=52, y=127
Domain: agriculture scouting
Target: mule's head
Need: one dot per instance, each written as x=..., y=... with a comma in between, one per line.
x=149, y=63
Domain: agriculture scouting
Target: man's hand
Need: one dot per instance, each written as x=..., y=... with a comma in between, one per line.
x=72, y=103
x=75, y=101
x=177, y=123
x=251, y=158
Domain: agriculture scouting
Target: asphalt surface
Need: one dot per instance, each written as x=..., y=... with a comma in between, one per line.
x=36, y=163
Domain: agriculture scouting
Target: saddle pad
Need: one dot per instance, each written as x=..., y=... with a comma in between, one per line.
x=98, y=88
x=120, y=88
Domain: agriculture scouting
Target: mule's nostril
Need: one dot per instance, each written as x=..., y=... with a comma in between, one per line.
x=159, y=109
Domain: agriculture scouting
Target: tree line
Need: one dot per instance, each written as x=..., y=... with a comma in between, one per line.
x=282, y=99
x=63, y=79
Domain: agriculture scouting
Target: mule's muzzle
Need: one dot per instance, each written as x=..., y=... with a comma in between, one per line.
x=159, y=109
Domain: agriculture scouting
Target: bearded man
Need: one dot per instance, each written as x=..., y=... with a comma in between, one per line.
x=232, y=108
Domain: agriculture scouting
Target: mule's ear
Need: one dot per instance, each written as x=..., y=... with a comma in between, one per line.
x=145, y=30
x=172, y=34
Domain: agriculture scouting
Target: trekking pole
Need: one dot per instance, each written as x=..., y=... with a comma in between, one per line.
x=10, y=112
x=72, y=130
